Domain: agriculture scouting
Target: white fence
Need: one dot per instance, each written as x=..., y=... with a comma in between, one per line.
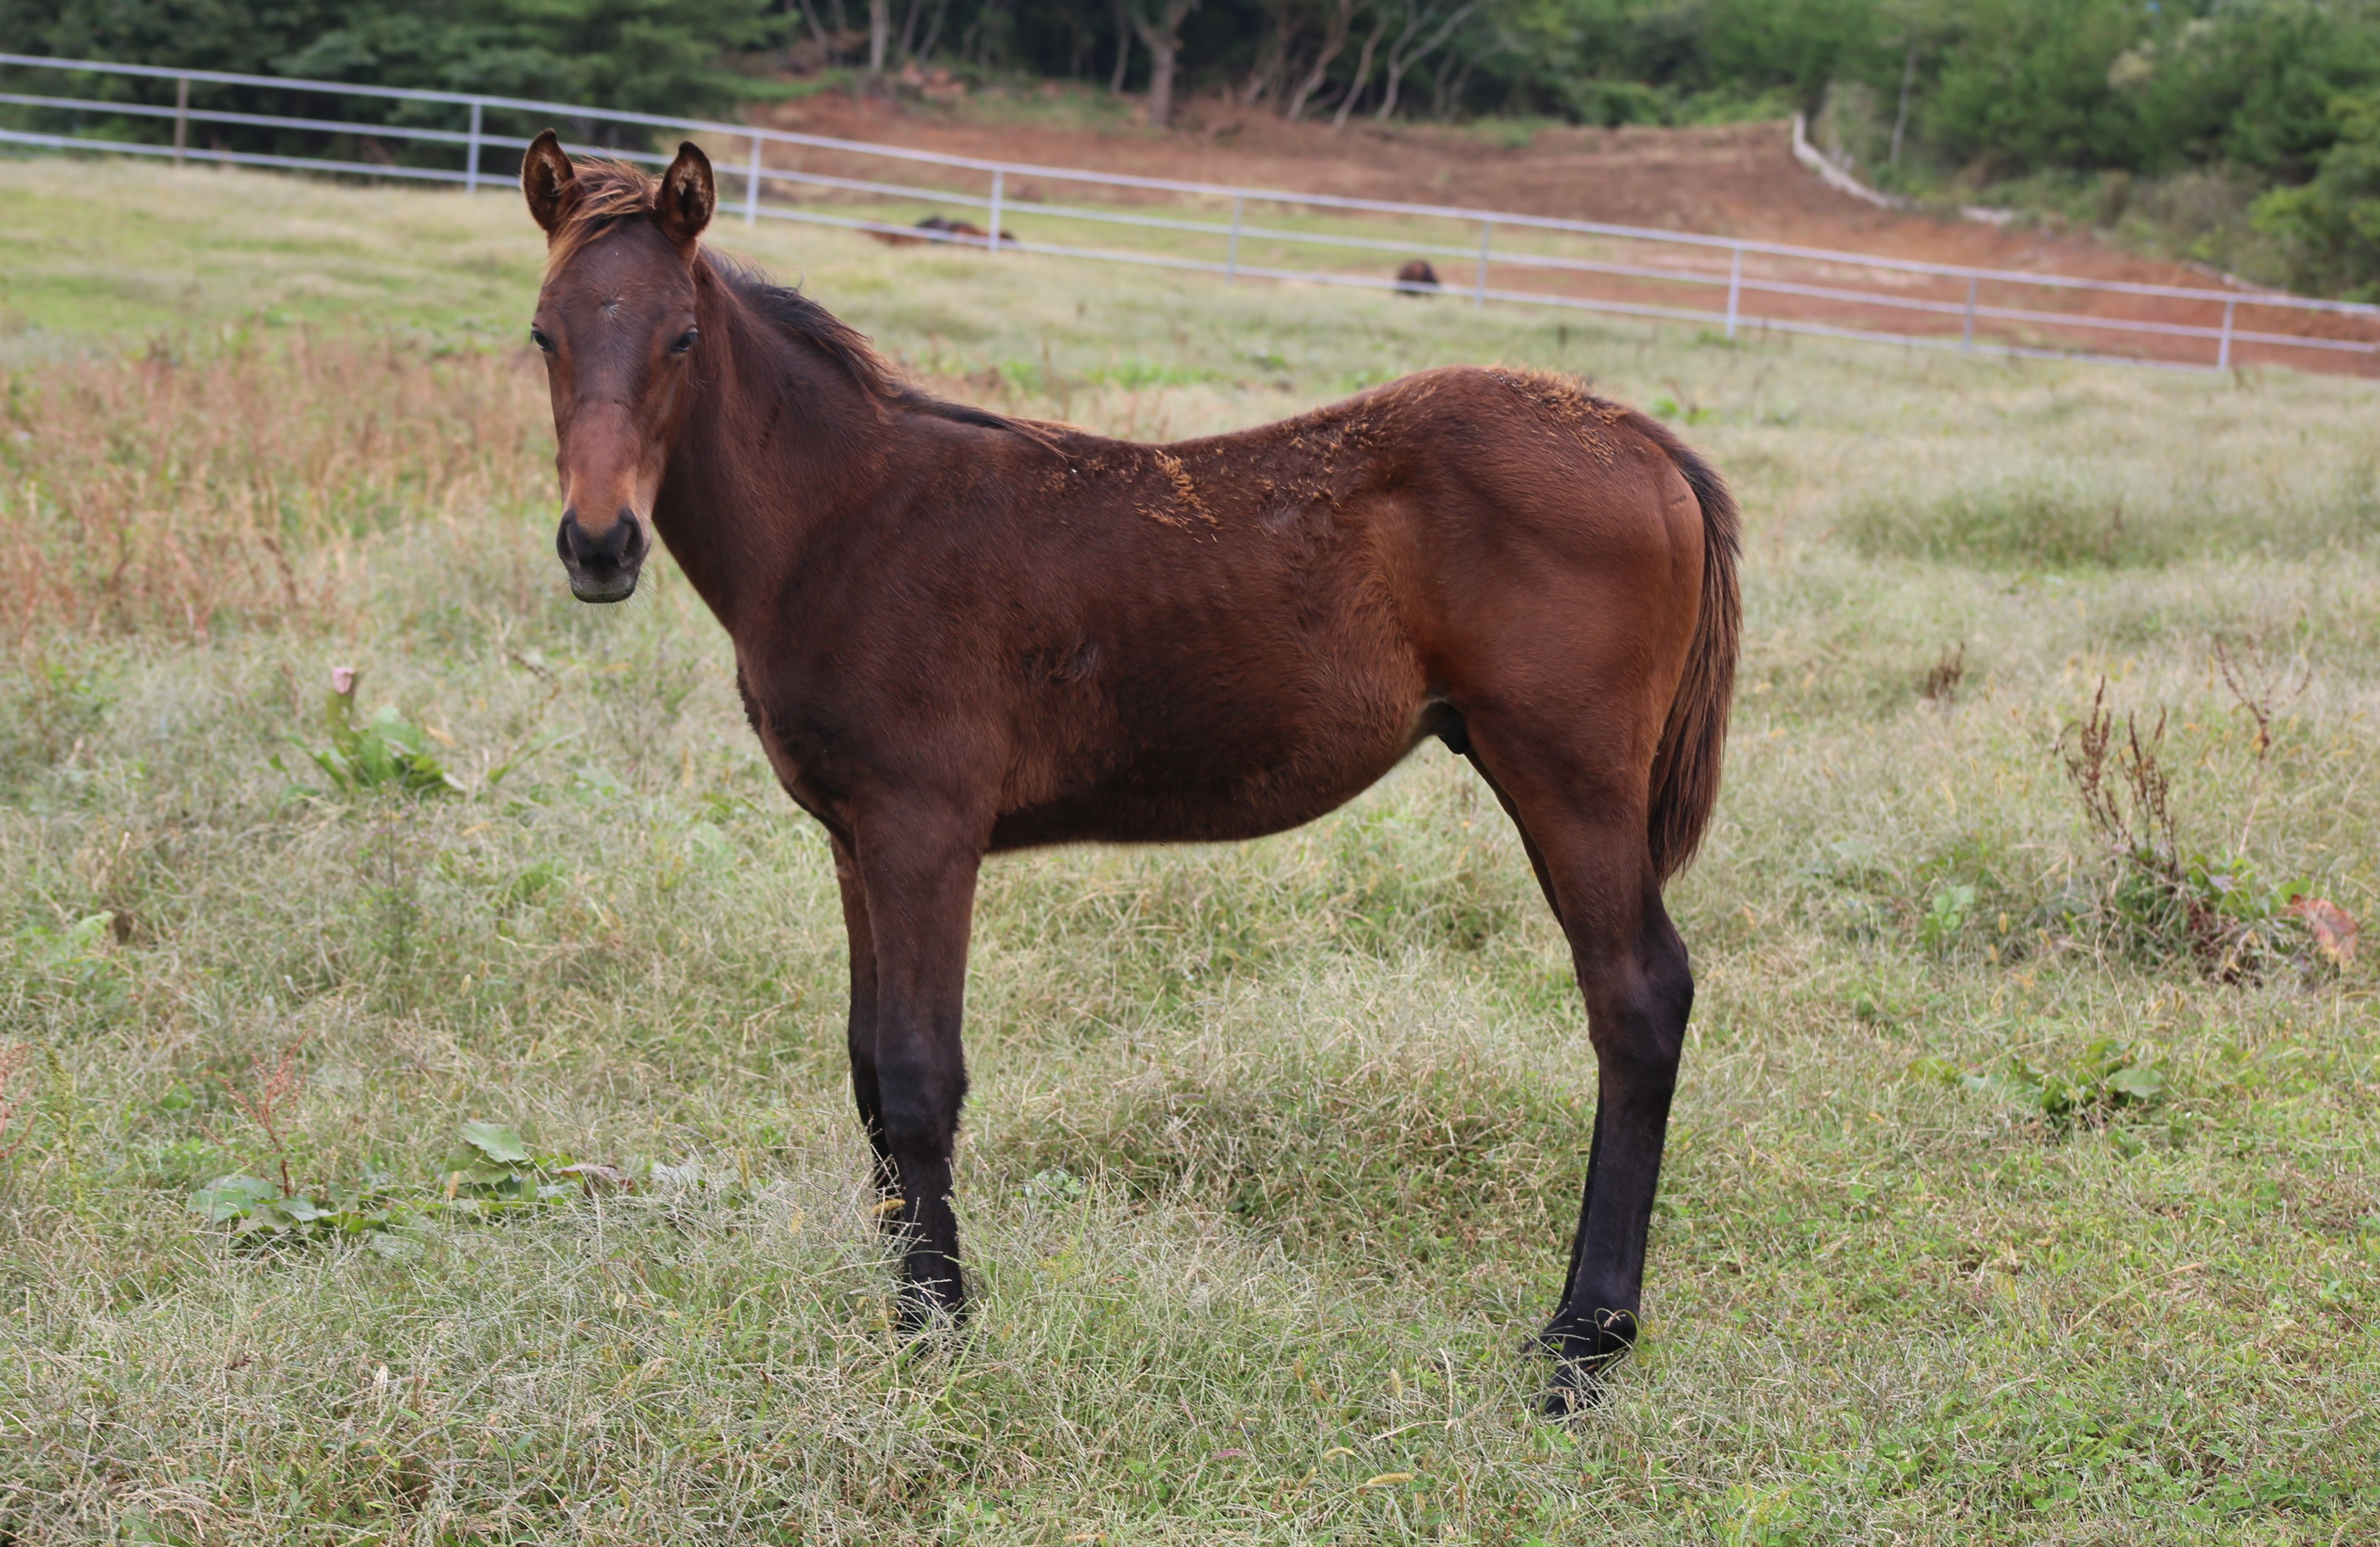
x=1730, y=284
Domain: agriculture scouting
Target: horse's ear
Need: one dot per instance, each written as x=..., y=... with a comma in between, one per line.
x=546, y=177
x=687, y=196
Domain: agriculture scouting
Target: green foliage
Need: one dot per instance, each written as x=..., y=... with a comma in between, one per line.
x=667, y=56
x=2331, y=224
x=386, y=753
x=2107, y=1076
x=640, y=56
x=1946, y=917
x=488, y=1169
x=260, y=1214
x=75, y=960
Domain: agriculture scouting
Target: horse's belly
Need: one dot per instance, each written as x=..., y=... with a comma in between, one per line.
x=1196, y=802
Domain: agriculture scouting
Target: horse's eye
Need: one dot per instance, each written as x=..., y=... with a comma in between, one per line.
x=684, y=342
x=538, y=337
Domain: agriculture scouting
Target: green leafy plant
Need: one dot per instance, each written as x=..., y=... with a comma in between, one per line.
x=75, y=958
x=1945, y=916
x=489, y=1167
x=261, y=1213
x=385, y=752
x=2107, y=1076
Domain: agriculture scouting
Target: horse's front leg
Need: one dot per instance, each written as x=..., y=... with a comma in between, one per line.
x=861, y=1035
x=918, y=871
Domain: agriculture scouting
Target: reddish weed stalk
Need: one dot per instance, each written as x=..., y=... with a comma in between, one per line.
x=268, y=1106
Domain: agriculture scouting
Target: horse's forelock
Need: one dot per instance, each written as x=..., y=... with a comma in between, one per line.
x=607, y=193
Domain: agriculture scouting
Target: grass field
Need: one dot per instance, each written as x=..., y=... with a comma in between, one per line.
x=1994, y=1211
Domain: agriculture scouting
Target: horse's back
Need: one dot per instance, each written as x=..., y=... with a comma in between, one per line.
x=1279, y=615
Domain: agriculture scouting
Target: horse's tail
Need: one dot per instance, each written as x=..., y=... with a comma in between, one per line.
x=1686, y=768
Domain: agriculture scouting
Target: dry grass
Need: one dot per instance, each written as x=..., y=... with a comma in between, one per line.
x=1266, y=1172
x=225, y=482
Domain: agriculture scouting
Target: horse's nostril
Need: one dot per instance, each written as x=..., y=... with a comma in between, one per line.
x=620, y=547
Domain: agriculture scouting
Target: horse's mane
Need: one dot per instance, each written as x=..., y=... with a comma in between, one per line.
x=611, y=191
x=800, y=318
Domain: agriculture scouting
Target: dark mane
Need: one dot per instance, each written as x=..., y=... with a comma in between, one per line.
x=805, y=320
x=610, y=191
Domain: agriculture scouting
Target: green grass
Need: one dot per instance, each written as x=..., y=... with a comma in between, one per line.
x=1274, y=1148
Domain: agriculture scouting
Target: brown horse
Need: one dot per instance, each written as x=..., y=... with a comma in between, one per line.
x=958, y=633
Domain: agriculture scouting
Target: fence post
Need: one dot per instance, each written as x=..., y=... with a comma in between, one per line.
x=2223, y=357
x=752, y=186
x=1734, y=288
x=997, y=187
x=1231, y=253
x=471, y=169
x=1967, y=340
x=1479, y=281
x=181, y=116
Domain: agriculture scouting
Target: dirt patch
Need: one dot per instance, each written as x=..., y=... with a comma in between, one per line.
x=1737, y=181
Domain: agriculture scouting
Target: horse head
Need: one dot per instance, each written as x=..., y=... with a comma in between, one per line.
x=616, y=322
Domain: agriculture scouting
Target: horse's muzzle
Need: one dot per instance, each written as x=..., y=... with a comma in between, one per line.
x=602, y=566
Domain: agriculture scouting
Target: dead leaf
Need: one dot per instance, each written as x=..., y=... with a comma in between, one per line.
x=594, y=1174
x=2333, y=928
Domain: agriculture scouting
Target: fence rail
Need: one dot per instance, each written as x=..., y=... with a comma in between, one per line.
x=1206, y=228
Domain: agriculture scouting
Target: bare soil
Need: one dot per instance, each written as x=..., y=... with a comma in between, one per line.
x=1736, y=180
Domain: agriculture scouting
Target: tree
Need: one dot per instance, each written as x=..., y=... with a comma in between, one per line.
x=1335, y=38
x=2331, y=226
x=1424, y=30
x=1363, y=70
x=1160, y=33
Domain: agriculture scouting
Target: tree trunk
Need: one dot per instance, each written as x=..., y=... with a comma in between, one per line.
x=934, y=29
x=1124, y=48
x=880, y=34
x=1402, y=59
x=1281, y=26
x=1162, y=38
x=1900, y=119
x=1363, y=74
x=826, y=49
x=1332, y=42
x=1160, y=83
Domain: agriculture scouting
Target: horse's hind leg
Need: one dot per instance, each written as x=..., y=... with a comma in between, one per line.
x=1586, y=823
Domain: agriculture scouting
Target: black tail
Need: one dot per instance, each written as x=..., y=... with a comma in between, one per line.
x=1693, y=742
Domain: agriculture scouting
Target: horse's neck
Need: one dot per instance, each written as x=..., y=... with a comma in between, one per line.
x=778, y=441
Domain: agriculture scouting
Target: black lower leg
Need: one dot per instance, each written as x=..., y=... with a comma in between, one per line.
x=1585, y=1206
x=1637, y=1016
x=930, y=1286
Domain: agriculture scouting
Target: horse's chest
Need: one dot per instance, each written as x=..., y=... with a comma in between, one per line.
x=783, y=757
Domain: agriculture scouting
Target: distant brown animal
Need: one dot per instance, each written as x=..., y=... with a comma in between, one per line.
x=958, y=633
x=1417, y=278
x=966, y=231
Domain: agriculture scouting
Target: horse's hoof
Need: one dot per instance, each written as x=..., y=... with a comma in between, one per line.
x=1584, y=1348
x=1578, y=1388
x=927, y=1309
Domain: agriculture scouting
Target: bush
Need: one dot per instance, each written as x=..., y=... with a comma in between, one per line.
x=2330, y=227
